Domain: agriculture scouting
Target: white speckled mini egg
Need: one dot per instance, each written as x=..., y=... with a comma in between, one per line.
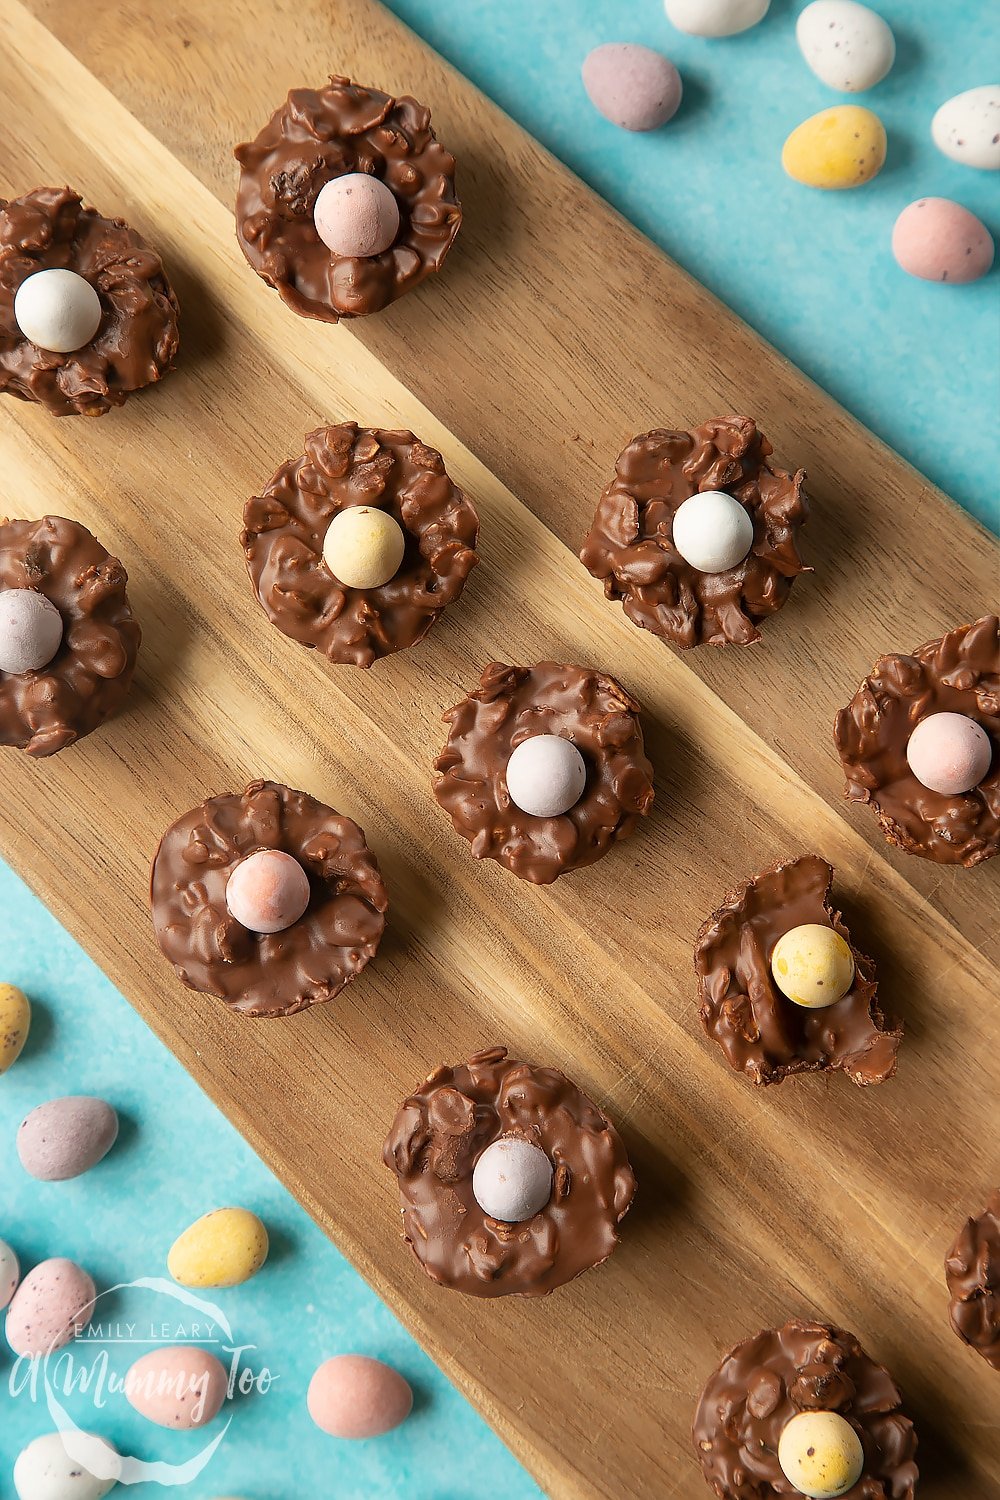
x=715, y=17
x=849, y=47
x=70, y=1466
x=967, y=128
x=10, y=1273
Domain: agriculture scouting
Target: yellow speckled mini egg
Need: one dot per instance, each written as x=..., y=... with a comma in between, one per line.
x=821, y=1454
x=838, y=148
x=812, y=965
x=222, y=1248
x=15, y=1019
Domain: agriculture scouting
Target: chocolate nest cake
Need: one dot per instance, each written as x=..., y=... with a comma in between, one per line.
x=630, y=545
x=957, y=674
x=449, y=1122
x=321, y=134
x=87, y=678
x=267, y=973
x=761, y=1032
x=973, y=1271
x=285, y=527
x=513, y=704
x=765, y=1381
x=136, y=340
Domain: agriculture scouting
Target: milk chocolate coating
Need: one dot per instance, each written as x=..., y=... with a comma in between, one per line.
x=960, y=673
x=89, y=676
x=766, y=1381
x=136, y=342
x=284, y=531
x=973, y=1271
x=630, y=542
x=762, y=1033
x=442, y=1129
x=513, y=704
x=320, y=134
x=267, y=974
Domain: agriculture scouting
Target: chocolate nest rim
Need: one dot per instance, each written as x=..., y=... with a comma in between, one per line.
x=317, y=956
x=605, y=729
x=763, y=1381
x=314, y=137
x=137, y=339
x=629, y=546
x=43, y=711
x=733, y=1013
x=438, y=1134
x=285, y=527
x=972, y=1270
x=963, y=829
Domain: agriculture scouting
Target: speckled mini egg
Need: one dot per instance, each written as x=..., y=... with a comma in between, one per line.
x=222, y=1248
x=10, y=1272
x=715, y=17
x=812, y=965
x=66, y=1466
x=967, y=128
x=31, y=631
x=938, y=240
x=268, y=891
x=52, y=1302
x=15, y=1021
x=841, y=147
x=364, y=547
x=352, y=1396
x=949, y=753
x=632, y=86
x=66, y=1137
x=848, y=46
x=181, y=1387
x=820, y=1454
x=512, y=1180
x=356, y=215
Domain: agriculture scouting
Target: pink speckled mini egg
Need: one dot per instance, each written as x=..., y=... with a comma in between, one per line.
x=52, y=1302
x=632, y=86
x=180, y=1387
x=949, y=753
x=352, y=1396
x=939, y=240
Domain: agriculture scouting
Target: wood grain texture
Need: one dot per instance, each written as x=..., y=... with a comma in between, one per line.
x=555, y=333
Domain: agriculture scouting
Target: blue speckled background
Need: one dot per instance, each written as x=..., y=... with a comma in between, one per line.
x=919, y=364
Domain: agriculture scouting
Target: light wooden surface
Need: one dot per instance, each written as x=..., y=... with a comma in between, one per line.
x=555, y=334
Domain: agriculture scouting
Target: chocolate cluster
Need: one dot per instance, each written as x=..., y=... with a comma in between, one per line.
x=88, y=678
x=761, y=1032
x=445, y=1125
x=973, y=1271
x=267, y=974
x=630, y=542
x=136, y=342
x=959, y=673
x=320, y=134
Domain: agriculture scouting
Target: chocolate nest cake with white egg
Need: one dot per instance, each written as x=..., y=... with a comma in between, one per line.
x=346, y=200
x=357, y=546
x=698, y=533
x=783, y=989
x=68, y=638
x=544, y=768
x=510, y=1180
x=87, y=315
x=267, y=899
x=920, y=742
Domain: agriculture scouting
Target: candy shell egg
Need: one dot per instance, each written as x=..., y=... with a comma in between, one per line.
x=66, y=1137
x=821, y=1454
x=546, y=775
x=949, y=753
x=222, y=1248
x=10, y=1272
x=812, y=965
x=364, y=547
x=66, y=1466
x=938, y=240
x=632, y=86
x=715, y=17
x=182, y=1387
x=512, y=1180
x=15, y=1021
x=848, y=46
x=352, y=1396
x=57, y=310
x=356, y=215
x=712, y=531
x=31, y=631
x=267, y=891
x=52, y=1302
x=967, y=128
x=840, y=147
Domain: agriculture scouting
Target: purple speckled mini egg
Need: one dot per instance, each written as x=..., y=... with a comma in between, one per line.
x=66, y=1137
x=632, y=86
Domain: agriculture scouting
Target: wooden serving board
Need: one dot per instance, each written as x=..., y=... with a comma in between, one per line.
x=555, y=334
